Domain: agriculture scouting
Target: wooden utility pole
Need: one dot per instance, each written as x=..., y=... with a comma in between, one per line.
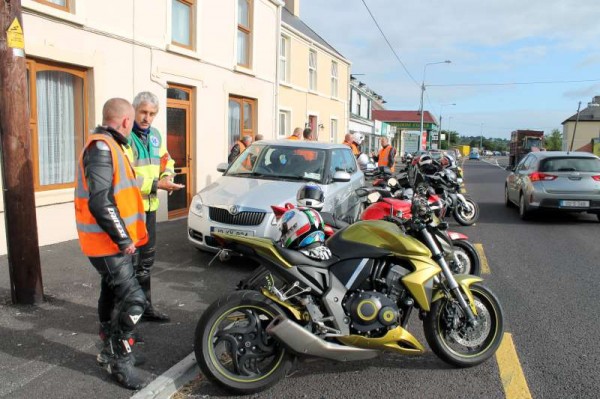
x=17, y=170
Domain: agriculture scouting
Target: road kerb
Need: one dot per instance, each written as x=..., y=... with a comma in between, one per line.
x=511, y=373
x=164, y=386
x=485, y=267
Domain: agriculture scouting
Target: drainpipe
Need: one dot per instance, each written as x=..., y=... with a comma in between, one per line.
x=279, y=4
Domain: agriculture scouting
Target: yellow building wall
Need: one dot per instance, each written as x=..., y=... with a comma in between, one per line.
x=586, y=131
x=296, y=98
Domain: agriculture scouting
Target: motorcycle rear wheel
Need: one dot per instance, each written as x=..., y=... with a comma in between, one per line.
x=449, y=336
x=466, y=216
x=468, y=253
x=232, y=347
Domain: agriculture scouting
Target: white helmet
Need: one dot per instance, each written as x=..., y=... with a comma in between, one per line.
x=311, y=196
x=358, y=138
x=363, y=161
x=301, y=227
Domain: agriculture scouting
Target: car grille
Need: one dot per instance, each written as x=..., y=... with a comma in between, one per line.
x=243, y=218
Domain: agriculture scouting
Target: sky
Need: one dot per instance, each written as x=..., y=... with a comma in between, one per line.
x=489, y=43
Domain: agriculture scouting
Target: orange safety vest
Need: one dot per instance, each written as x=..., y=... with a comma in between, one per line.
x=384, y=155
x=293, y=138
x=94, y=241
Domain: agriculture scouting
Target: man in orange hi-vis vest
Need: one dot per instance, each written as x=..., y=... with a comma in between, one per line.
x=387, y=155
x=296, y=135
x=111, y=224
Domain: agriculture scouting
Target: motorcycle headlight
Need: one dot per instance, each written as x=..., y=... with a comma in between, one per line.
x=196, y=205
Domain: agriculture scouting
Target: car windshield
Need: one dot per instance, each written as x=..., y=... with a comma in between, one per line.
x=570, y=164
x=280, y=163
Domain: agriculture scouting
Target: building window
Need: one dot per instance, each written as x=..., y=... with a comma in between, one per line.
x=312, y=70
x=334, y=79
x=244, y=32
x=358, y=100
x=333, y=132
x=182, y=23
x=284, y=52
x=58, y=120
x=60, y=4
x=242, y=118
x=285, y=118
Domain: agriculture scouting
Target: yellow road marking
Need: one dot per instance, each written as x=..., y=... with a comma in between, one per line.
x=511, y=374
x=485, y=267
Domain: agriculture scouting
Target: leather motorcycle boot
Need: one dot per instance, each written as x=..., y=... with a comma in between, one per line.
x=107, y=354
x=151, y=313
x=122, y=367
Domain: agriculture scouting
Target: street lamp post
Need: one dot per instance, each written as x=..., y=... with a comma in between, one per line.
x=423, y=94
x=449, y=120
x=481, y=140
x=440, y=129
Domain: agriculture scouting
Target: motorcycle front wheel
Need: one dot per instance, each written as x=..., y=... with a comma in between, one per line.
x=232, y=347
x=452, y=338
x=469, y=262
x=466, y=214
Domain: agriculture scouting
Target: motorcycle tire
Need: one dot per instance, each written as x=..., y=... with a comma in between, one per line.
x=232, y=347
x=467, y=250
x=454, y=341
x=463, y=216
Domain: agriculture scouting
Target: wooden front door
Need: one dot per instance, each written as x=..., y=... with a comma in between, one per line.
x=179, y=135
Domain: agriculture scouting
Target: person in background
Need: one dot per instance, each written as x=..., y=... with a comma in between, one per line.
x=296, y=134
x=258, y=137
x=238, y=148
x=307, y=134
x=349, y=141
x=110, y=224
x=386, y=156
x=154, y=170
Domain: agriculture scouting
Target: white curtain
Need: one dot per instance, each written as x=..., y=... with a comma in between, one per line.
x=234, y=121
x=56, y=127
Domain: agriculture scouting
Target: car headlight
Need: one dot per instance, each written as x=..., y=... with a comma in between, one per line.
x=196, y=205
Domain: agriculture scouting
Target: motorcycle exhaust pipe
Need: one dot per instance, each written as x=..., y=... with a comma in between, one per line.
x=301, y=341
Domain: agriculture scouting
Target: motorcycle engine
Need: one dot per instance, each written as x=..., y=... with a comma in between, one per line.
x=370, y=310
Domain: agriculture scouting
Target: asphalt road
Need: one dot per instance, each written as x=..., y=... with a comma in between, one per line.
x=545, y=274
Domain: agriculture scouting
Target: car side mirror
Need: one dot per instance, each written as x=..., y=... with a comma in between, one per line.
x=341, y=177
x=222, y=167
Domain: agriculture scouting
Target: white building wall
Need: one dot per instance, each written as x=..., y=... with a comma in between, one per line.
x=126, y=48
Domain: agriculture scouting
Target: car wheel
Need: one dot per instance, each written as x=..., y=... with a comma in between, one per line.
x=523, y=211
x=506, y=199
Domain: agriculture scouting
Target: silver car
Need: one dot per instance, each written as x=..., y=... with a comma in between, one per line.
x=556, y=180
x=270, y=173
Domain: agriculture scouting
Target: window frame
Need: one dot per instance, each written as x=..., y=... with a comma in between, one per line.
x=334, y=79
x=287, y=114
x=67, y=7
x=333, y=132
x=248, y=30
x=192, y=25
x=33, y=67
x=242, y=101
x=284, y=70
x=312, y=71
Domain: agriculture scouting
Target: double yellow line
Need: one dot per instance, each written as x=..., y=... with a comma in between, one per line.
x=511, y=373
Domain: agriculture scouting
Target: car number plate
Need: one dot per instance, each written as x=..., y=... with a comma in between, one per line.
x=575, y=204
x=247, y=233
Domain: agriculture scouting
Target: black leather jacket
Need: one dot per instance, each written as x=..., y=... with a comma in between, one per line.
x=98, y=169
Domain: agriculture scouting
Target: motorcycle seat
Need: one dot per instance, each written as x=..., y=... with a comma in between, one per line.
x=297, y=258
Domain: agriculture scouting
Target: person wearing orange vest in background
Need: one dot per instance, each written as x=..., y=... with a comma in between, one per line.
x=296, y=134
x=111, y=225
x=386, y=156
x=349, y=141
x=238, y=148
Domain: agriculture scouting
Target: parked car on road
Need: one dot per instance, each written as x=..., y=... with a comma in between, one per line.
x=556, y=180
x=270, y=173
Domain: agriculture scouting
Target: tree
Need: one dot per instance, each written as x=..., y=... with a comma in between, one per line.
x=553, y=142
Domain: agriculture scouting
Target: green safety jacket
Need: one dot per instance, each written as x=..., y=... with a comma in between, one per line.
x=151, y=163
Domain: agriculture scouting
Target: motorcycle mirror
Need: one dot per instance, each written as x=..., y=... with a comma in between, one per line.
x=373, y=197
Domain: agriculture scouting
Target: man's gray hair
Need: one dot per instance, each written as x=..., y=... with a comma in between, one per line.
x=145, y=97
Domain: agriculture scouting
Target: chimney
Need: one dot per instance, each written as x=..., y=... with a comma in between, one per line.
x=293, y=6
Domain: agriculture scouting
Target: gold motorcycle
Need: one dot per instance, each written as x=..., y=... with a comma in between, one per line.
x=352, y=307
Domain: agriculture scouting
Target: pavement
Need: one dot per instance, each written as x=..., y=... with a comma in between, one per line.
x=49, y=350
